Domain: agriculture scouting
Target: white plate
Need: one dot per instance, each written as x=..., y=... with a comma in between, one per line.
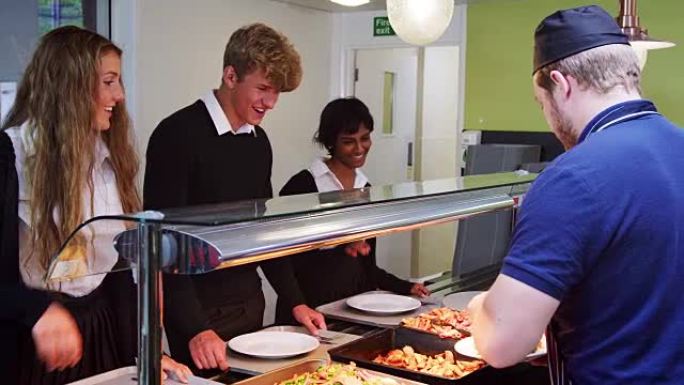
x=273, y=344
x=459, y=301
x=466, y=347
x=382, y=303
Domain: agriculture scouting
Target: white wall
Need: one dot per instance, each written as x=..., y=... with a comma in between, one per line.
x=175, y=50
x=438, y=148
x=440, y=113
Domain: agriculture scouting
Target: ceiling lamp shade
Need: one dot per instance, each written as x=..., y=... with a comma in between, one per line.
x=638, y=37
x=420, y=22
x=351, y=3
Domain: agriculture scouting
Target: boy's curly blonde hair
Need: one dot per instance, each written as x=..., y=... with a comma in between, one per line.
x=260, y=47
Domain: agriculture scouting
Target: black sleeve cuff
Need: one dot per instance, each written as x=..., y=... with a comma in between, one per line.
x=34, y=303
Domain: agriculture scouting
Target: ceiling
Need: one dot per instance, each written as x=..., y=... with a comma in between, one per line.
x=373, y=5
x=325, y=5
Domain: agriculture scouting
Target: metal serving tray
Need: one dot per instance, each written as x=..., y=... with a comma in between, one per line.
x=275, y=376
x=364, y=350
x=464, y=333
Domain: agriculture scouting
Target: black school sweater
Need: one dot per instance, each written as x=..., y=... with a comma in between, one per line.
x=188, y=164
x=20, y=307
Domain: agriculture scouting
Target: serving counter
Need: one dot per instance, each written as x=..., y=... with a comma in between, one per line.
x=254, y=366
x=340, y=311
x=202, y=239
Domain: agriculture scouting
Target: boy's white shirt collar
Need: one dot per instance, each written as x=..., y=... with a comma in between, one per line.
x=220, y=119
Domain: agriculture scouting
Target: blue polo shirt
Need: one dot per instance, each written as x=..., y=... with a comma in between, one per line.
x=602, y=231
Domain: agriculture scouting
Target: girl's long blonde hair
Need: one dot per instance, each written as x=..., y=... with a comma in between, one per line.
x=56, y=99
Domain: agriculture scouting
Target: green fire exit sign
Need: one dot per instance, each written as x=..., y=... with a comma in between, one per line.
x=382, y=27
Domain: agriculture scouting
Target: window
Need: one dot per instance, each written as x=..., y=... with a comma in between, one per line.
x=90, y=14
x=388, y=104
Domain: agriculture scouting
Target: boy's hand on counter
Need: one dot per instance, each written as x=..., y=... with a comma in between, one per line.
x=177, y=371
x=309, y=318
x=355, y=249
x=419, y=290
x=208, y=351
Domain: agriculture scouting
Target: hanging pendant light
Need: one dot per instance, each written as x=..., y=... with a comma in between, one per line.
x=638, y=37
x=420, y=22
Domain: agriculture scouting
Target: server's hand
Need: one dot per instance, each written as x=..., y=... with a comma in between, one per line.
x=309, y=318
x=175, y=370
x=208, y=351
x=57, y=338
x=357, y=248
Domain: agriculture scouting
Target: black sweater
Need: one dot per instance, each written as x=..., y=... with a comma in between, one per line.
x=20, y=307
x=188, y=164
x=327, y=275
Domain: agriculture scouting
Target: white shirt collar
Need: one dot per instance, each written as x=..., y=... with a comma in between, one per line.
x=23, y=145
x=101, y=152
x=326, y=179
x=220, y=119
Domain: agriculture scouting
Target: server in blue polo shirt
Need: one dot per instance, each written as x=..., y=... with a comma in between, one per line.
x=598, y=251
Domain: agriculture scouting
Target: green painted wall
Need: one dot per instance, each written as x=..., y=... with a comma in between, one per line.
x=499, y=60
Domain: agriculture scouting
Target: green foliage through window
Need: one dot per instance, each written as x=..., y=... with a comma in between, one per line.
x=56, y=13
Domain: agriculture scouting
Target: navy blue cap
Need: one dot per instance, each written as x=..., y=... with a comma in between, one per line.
x=571, y=31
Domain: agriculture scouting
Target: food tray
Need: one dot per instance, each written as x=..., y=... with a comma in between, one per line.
x=463, y=331
x=128, y=376
x=275, y=376
x=310, y=365
x=364, y=350
x=451, y=340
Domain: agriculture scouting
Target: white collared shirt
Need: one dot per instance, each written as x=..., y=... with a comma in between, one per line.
x=220, y=119
x=100, y=255
x=326, y=179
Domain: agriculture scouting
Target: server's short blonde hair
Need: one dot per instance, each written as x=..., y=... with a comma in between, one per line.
x=600, y=69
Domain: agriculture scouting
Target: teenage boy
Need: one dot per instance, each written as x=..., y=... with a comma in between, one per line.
x=214, y=151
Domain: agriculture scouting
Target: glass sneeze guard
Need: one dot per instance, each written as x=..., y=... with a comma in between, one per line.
x=234, y=212
x=201, y=239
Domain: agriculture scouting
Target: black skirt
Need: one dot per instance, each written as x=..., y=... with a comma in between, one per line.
x=107, y=322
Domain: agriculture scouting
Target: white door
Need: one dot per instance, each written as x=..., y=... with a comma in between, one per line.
x=389, y=160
